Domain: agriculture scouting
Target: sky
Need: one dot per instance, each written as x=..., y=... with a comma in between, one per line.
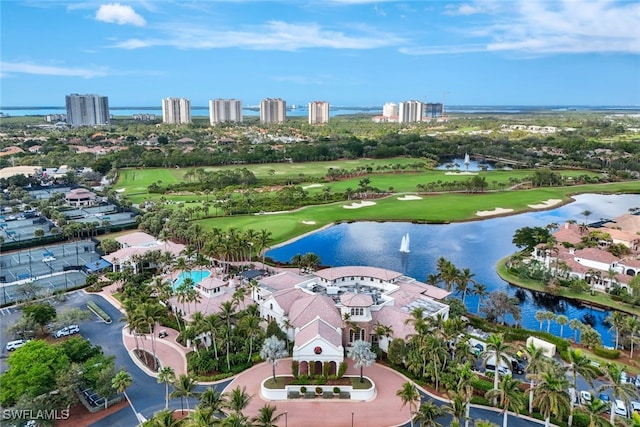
x=346, y=52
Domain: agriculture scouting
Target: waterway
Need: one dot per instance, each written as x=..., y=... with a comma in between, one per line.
x=476, y=245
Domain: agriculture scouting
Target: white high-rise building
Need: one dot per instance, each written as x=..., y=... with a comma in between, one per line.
x=390, y=110
x=225, y=111
x=410, y=111
x=273, y=110
x=318, y=112
x=176, y=111
x=87, y=110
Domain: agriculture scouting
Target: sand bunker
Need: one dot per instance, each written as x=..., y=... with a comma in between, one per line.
x=356, y=205
x=546, y=204
x=461, y=173
x=308, y=222
x=312, y=186
x=409, y=197
x=496, y=211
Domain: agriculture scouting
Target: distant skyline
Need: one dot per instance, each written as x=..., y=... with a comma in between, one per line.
x=345, y=52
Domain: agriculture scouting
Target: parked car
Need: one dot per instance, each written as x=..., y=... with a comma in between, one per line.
x=585, y=397
x=605, y=398
x=635, y=406
x=517, y=367
x=620, y=408
x=13, y=345
x=66, y=331
x=48, y=259
x=623, y=377
x=637, y=381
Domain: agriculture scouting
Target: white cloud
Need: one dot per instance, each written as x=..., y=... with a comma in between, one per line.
x=9, y=68
x=275, y=35
x=540, y=27
x=116, y=13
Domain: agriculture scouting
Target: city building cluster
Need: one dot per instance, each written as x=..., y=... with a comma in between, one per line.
x=410, y=112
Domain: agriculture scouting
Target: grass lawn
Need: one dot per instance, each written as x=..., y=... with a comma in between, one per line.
x=434, y=208
x=599, y=298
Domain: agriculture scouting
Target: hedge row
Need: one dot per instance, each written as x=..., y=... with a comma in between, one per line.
x=98, y=311
x=606, y=353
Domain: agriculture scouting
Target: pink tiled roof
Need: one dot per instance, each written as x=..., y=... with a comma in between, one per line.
x=349, y=299
x=212, y=283
x=359, y=271
x=139, y=243
x=595, y=254
x=394, y=317
x=318, y=328
x=622, y=235
x=569, y=233
x=284, y=280
x=135, y=239
x=627, y=222
x=286, y=297
x=303, y=310
x=416, y=288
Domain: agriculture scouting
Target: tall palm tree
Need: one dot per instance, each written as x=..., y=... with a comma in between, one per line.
x=202, y=417
x=427, y=413
x=509, y=395
x=121, y=382
x=456, y=407
x=619, y=388
x=481, y=291
x=266, y=417
x=166, y=375
x=551, y=395
x=466, y=376
x=463, y=280
x=250, y=326
x=540, y=317
x=632, y=327
x=263, y=240
x=163, y=418
x=562, y=320
x=409, y=396
x=237, y=399
x=213, y=325
x=213, y=399
x=227, y=313
x=617, y=320
x=595, y=409
x=499, y=350
x=576, y=326
x=183, y=388
x=549, y=316
x=537, y=362
x=579, y=364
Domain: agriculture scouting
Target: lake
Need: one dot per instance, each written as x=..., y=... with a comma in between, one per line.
x=476, y=245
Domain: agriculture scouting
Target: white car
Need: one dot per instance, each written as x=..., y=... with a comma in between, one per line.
x=48, y=259
x=635, y=406
x=66, y=331
x=13, y=345
x=620, y=408
x=585, y=397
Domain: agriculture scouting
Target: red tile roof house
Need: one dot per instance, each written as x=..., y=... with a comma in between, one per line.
x=325, y=312
x=596, y=265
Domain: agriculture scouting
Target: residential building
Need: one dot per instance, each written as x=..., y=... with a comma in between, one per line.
x=318, y=112
x=390, y=110
x=225, y=111
x=87, y=110
x=273, y=110
x=176, y=111
x=410, y=111
x=433, y=110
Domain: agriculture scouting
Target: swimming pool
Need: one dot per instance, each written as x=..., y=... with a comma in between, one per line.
x=196, y=275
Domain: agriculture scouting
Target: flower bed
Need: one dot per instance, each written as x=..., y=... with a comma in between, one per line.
x=282, y=390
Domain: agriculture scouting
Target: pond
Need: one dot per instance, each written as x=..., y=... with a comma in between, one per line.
x=477, y=245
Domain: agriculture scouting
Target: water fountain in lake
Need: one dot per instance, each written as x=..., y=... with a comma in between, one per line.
x=467, y=161
x=404, y=244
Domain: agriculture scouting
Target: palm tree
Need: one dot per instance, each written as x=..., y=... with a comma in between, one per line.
x=183, y=388
x=619, y=388
x=163, y=418
x=427, y=413
x=121, y=382
x=466, y=376
x=632, y=326
x=263, y=239
x=267, y=417
x=362, y=355
x=540, y=317
x=509, y=395
x=576, y=326
x=497, y=349
x=212, y=398
x=202, y=417
x=586, y=214
x=250, y=326
x=537, y=362
x=551, y=395
x=595, y=409
x=481, y=292
x=463, y=280
x=549, y=316
x=237, y=399
x=227, y=314
x=562, y=320
x=273, y=349
x=213, y=324
x=616, y=319
x=409, y=396
x=579, y=364
x=456, y=407
x=167, y=376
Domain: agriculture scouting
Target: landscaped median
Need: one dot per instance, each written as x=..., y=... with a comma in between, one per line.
x=98, y=311
x=283, y=390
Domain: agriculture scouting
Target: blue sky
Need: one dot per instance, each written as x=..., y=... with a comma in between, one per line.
x=347, y=52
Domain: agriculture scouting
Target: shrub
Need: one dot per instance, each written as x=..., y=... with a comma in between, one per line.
x=326, y=368
x=606, y=353
x=482, y=385
x=303, y=389
x=477, y=400
x=336, y=390
x=295, y=368
x=318, y=390
x=342, y=369
x=98, y=311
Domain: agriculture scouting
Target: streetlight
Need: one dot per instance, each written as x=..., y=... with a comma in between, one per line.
x=286, y=419
x=351, y=418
